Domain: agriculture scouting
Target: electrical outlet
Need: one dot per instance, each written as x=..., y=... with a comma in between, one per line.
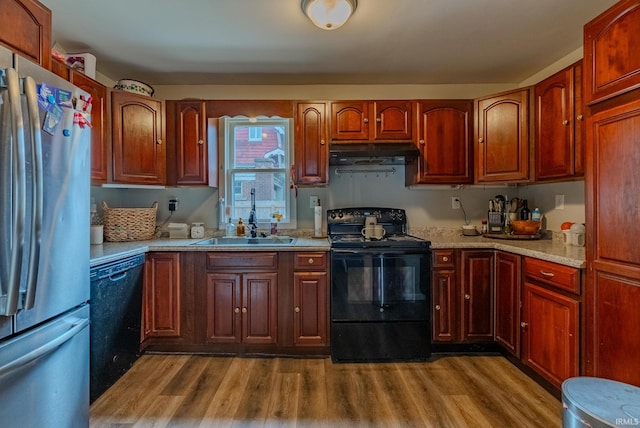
x=455, y=202
x=173, y=204
x=559, y=202
x=313, y=201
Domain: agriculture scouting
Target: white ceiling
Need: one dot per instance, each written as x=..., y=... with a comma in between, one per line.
x=272, y=42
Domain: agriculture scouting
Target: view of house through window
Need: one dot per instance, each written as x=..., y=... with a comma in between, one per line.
x=258, y=156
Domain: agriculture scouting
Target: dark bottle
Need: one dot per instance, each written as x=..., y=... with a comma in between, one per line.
x=524, y=212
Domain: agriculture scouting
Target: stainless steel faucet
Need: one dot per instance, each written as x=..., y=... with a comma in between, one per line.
x=253, y=221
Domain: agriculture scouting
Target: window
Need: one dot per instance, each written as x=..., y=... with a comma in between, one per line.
x=258, y=155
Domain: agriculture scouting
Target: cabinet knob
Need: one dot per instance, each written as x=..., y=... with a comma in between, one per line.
x=296, y=309
x=421, y=142
x=322, y=142
x=366, y=120
x=310, y=261
x=565, y=122
x=244, y=310
x=158, y=141
x=200, y=142
x=480, y=140
x=437, y=307
x=524, y=324
x=467, y=296
x=579, y=117
x=378, y=120
x=445, y=259
x=236, y=310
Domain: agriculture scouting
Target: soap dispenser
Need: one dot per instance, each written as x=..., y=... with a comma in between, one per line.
x=240, y=228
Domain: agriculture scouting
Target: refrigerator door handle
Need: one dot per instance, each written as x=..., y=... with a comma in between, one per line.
x=37, y=191
x=45, y=349
x=12, y=265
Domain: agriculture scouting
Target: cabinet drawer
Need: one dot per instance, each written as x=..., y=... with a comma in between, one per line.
x=245, y=260
x=444, y=259
x=564, y=277
x=310, y=261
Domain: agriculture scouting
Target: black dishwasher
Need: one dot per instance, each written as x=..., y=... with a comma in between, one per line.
x=116, y=308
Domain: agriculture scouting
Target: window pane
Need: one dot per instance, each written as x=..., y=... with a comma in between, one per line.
x=266, y=152
x=270, y=195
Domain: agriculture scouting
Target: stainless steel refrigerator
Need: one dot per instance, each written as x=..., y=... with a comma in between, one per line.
x=44, y=248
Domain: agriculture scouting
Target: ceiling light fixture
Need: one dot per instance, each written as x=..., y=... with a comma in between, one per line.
x=329, y=14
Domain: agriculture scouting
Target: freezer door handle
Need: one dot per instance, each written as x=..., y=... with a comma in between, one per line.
x=13, y=245
x=36, y=192
x=45, y=349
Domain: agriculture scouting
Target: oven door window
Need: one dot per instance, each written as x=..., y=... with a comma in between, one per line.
x=379, y=287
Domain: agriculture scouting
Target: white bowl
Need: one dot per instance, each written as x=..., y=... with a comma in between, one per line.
x=134, y=86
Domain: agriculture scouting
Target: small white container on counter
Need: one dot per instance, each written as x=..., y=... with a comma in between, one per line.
x=178, y=231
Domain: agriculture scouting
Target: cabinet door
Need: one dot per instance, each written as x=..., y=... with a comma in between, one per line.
x=138, y=139
x=259, y=307
x=477, y=298
x=502, y=137
x=613, y=281
x=187, y=126
x=350, y=120
x=26, y=29
x=224, y=317
x=444, y=140
x=612, y=63
x=444, y=304
x=311, y=148
x=99, y=146
x=507, y=310
x=310, y=308
x=161, y=311
x=392, y=120
x=555, y=151
x=550, y=337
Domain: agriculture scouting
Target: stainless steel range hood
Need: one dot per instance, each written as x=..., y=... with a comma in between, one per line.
x=372, y=153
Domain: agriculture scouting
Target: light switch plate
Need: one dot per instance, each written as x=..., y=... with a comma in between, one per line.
x=559, y=202
x=313, y=201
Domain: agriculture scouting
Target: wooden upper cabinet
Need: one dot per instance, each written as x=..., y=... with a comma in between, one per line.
x=311, y=145
x=559, y=125
x=138, y=139
x=612, y=63
x=362, y=121
x=502, y=137
x=99, y=145
x=445, y=132
x=26, y=29
x=187, y=155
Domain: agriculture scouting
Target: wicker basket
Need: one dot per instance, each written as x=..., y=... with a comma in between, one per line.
x=129, y=224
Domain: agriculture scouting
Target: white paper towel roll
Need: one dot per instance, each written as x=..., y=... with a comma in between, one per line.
x=317, y=220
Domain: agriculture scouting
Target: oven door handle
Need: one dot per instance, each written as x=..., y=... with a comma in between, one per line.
x=380, y=251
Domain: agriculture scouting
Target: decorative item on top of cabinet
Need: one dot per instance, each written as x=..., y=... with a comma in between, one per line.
x=507, y=310
x=310, y=299
x=26, y=29
x=362, y=121
x=502, y=137
x=550, y=325
x=311, y=145
x=445, y=132
x=138, y=139
x=613, y=283
x=187, y=153
x=161, y=296
x=241, y=298
x=559, y=125
x=612, y=64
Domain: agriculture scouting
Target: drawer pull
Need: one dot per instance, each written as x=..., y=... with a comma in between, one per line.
x=547, y=274
x=310, y=261
x=297, y=309
x=437, y=307
x=445, y=259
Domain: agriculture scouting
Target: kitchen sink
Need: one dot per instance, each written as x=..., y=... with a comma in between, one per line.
x=268, y=241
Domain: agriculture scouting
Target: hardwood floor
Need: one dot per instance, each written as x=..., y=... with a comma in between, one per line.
x=203, y=391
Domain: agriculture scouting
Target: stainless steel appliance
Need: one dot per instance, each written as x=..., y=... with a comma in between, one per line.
x=116, y=314
x=44, y=249
x=379, y=288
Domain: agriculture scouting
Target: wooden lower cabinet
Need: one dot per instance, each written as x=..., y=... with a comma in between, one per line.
x=161, y=296
x=477, y=297
x=310, y=296
x=507, y=301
